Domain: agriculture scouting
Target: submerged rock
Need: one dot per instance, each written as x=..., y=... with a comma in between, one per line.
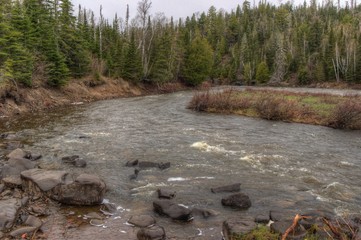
x=151, y=233
x=142, y=220
x=239, y=201
x=86, y=189
x=172, y=210
x=17, y=153
x=205, y=213
x=164, y=193
x=228, y=188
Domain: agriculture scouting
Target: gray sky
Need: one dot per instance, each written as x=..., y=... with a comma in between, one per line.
x=175, y=8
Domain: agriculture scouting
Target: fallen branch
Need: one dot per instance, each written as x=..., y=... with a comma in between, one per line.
x=334, y=230
x=297, y=218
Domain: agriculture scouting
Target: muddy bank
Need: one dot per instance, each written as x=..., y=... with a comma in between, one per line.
x=16, y=100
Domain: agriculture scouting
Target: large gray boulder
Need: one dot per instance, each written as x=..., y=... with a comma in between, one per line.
x=86, y=189
x=236, y=228
x=15, y=166
x=239, y=201
x=151, y=233
x=172, y=210
x=8, y=212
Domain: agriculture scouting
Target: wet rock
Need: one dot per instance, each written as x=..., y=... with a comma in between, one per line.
x=81, y=163
x=135, y=175
x=14, y=145
x=278, y=215
x=151, y=233
x=236, y=228
x=228, y=188
x=148, y=165
x=280, y=227
x=172, y=210
x=97, y=222
x=24, y=201
x=93, y=215
x=205, y=213
x=164, y=193
x=17, y=153
x=262, y=218
x=86, y=189
x=22, y=230
x=163, y=166
x=108, y=208
x=8, y=212
x=2, y=187
x=132, y=163
x=142, y=220
x=15, y=166
x=239, y=201
x=33, y=222
x=35, y=157
x=70, y=159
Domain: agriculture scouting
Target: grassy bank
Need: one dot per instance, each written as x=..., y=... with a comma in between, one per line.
x=335, y=111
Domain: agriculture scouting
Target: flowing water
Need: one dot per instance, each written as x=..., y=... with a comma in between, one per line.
x=279, y=165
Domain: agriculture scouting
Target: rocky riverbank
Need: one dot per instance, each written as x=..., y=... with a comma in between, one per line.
x=30, y=200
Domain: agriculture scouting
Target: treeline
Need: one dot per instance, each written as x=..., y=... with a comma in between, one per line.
x=48, y=40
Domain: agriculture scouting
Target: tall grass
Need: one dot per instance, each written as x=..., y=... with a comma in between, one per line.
x=323, y=109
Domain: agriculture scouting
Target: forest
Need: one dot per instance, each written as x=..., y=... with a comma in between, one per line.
x=50, y=42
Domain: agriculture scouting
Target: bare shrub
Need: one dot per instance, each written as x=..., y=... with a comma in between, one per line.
x=199, y=101
x=347, y=115
x=273, y=108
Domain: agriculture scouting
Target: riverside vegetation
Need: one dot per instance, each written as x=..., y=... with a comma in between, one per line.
x=322, y=109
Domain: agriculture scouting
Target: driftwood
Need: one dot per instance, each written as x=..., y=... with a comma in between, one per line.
x=297, y=218
x=336, y=232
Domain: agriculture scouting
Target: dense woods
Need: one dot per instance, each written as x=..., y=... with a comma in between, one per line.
x=52, y=41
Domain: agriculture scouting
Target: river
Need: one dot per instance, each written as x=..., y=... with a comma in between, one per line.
x=279, y=165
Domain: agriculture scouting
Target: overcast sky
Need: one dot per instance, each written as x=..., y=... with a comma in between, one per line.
x=175, y=8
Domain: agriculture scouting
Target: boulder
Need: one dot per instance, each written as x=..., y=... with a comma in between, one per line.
x=236, y=228
x=17, y=153
x=205, y=213
x=17, y=233
x=69, y=159
x=86, y=189
x=163, y=166
x=262, y=218
x=13, y=181
x=148, y=165
x=8, y=212
x=33, y=222
x=81, y=163
x=228, y=188
x=164, y=193
x=132, y=163
x=142, y=220
x=151, y=233
x=239, y=201
x=172, y=210
x=280, y=227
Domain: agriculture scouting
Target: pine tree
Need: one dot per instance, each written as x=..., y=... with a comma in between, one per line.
x=198, y=61
x=262, y=72
x=132, y=68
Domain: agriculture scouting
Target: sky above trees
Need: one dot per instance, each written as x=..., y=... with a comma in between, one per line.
x=175, y=8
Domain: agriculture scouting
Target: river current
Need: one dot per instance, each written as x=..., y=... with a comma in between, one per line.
x=279, y=165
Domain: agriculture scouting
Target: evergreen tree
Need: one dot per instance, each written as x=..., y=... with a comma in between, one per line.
x=262, y=72
x=132, y=65
x=198, y=61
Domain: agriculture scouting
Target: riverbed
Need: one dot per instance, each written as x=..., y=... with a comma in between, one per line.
x=279, y=165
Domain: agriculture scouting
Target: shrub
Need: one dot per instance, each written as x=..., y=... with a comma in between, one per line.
x=346, y=115
x=273, y=108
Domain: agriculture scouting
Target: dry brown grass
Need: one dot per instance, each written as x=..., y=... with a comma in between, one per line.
x=322, y=109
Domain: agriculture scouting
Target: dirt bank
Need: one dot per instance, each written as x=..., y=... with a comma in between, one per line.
x=16, y=100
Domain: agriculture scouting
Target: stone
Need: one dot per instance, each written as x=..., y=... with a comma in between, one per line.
x=8, y=212
x=15, y=166
x=86, y=189
x=81, y=163
x=205, y=213
x=2, y=187
x=278, y=215
x=134, y=175
x=132, y=163
x=151, y=233
x=13, y=181
x=262, y=218
x=35, y=157
x=281, y=226
x=164, y=193
x=93, y=215
x=69, y=159
x=17, y=153
x=22, y=230
x=228, y=188
x=235, y=228
x=142, y=220
x=148, y=165
x=172, y=210
x=239, y=201
x=163, y=166
x=33, y=222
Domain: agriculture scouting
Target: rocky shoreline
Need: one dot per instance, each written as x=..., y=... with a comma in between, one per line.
x=30, y=197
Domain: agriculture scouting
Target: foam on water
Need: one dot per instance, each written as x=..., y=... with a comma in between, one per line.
x=205, y=147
